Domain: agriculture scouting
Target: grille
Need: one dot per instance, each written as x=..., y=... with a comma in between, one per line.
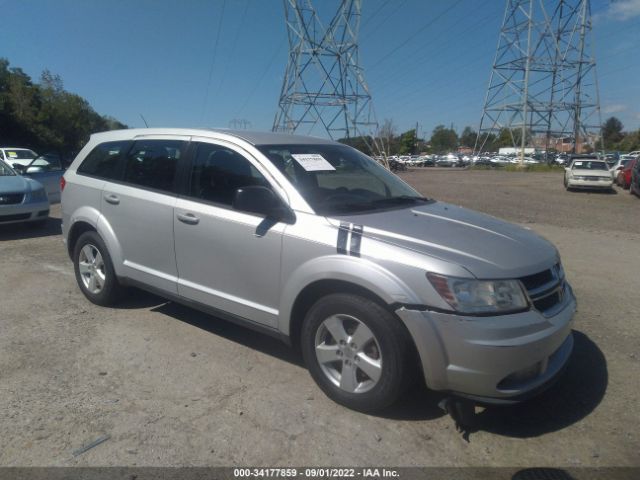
x=545, y=288
x=11, y=198
x=13, y=218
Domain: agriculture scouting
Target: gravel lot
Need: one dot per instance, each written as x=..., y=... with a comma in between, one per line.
x=171, y=386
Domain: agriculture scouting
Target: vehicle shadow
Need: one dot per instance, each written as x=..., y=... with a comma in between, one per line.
x=575, y=395
x=22, y=231
x=236, y=333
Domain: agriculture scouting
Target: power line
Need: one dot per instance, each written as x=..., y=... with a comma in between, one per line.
x=234, y=45
x=264, y=74
x=420, y=30
x=213, y=61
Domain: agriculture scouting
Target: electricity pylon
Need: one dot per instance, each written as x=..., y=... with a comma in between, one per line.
x=324, y=86
x=543, y=87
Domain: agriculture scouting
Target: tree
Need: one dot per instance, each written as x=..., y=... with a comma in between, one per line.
x=630, y=142
x=408, y=142
x=44, y=116
x=468, y=137
x=443, y=139
x=612, y=132
x=387, y=136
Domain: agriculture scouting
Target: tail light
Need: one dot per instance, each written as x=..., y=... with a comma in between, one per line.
x=63, y=182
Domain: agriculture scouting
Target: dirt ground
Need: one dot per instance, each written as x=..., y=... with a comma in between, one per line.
x=171, y=386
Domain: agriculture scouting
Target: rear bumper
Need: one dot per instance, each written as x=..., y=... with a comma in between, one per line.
x=502, y=359
x=590, y=184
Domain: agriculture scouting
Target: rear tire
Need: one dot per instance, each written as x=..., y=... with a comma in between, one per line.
x=94, y=270
x=358, y=353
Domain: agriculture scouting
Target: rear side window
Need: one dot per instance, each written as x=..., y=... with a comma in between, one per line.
x=103, y=160
x=153, y=164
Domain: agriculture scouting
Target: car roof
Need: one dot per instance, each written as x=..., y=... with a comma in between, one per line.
x=252, y=137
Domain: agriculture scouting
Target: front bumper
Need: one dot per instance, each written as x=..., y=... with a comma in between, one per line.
x=501, y=359
x=24, y=212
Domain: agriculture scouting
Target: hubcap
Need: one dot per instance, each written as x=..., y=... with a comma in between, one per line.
x=348, y=353
x=91, y=268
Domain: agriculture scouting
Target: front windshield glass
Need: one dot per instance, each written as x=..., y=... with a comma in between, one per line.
x=6, y=170
x=336, y=179
x=19, y=154
x=589, y=165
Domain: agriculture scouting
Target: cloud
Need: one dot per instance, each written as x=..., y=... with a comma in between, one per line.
x=614, y=108
x=622, y=10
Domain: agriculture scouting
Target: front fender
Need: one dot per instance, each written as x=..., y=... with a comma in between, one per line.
x=355, y=270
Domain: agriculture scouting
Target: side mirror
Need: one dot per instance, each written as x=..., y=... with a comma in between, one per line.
x=18, y=167
x=262, y=200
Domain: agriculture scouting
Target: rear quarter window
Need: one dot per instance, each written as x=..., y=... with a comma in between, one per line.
x=104, y=160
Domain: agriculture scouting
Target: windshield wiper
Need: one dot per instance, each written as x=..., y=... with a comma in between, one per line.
x=401, y=199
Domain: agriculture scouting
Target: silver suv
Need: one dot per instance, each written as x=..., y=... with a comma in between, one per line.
x=315, y=243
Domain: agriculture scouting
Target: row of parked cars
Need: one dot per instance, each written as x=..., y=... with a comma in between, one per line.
x=593, y=172
x=28, y=184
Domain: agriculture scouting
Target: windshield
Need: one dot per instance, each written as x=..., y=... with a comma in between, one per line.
x=336, y=179
x=19, y=154
x=6, y=170
x=589, y=165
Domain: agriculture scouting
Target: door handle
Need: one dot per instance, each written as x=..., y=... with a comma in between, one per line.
x=188, y=218
x=112, y=199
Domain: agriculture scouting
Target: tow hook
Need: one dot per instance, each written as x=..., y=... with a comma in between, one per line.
x=461, y=410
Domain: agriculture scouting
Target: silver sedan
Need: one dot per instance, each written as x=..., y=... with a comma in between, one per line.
x=21, y=199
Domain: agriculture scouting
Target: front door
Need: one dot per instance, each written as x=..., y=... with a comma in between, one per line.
x=227, y=259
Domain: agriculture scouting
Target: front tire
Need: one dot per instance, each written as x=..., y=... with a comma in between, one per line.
x=94, y=270
x=358, y=353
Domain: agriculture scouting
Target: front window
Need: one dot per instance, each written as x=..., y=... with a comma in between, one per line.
x=589, y=165
x=336, y=179
x=6, y=170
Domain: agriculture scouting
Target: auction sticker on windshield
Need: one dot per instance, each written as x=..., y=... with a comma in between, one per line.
x=312, y=162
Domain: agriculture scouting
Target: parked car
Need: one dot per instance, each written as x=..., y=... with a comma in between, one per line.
x=588, y=173
x=21, y=199
x=17, y=157
x=634, y=185
x=623, y=178
x=620, y=164
x=46, y=169
x=315, y=243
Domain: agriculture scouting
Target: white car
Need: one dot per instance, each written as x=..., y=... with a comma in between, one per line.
x=17, y=157
x=588, y=173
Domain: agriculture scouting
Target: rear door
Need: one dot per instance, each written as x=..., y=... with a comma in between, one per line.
x=139, y=209
x=227, y=259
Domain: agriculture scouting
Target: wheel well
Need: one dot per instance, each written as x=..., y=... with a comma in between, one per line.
x=77, y=229
x=313, y=292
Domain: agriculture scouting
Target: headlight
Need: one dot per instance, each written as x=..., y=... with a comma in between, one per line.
x=480, y=296
x=38, y=195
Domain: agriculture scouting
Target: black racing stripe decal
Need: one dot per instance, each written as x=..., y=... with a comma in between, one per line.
x=356, y=240
x=343, y=233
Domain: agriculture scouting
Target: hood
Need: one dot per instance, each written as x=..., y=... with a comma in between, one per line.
x=484, y=245
x=14, y=184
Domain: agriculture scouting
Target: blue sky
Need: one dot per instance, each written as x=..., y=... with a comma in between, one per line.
x=155, y=57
